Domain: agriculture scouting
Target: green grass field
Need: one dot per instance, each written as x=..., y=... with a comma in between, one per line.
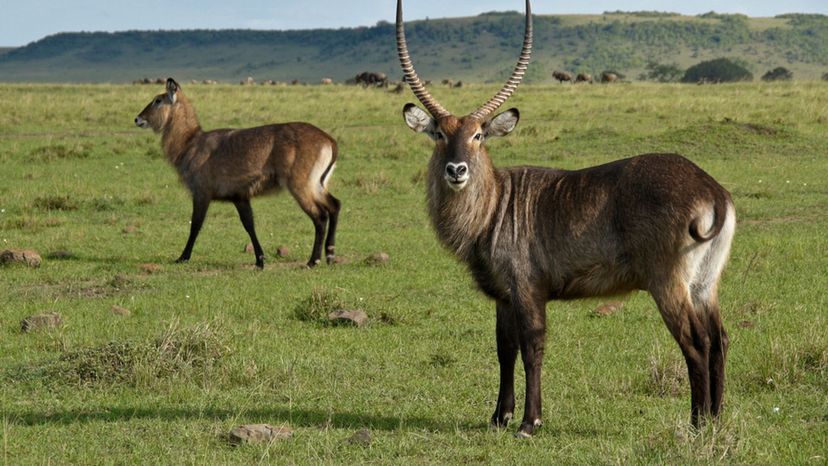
x=215, y=343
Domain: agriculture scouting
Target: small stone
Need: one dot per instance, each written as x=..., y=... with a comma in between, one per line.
x=361, y=438
x=343, y=316
x=746, y=324
x=608, y=308
x=120, y=311
x=378, y=258
x=256, y=433
x=150, y=269
x=249, y=248
x=129, y=229
x=41, y=321
x=27, y=257
x=282, y=251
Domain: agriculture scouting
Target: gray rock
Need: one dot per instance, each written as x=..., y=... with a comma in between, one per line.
x=41, y=321
x=248, y=248
x=27, y=257
x=378, y=258
x=609, y=308
x=282, y=251
x=120, y=311
x=344, y=316
x=257, y=433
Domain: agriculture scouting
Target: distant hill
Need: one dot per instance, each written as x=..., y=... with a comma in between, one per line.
x=480, y=49
x=4, y=50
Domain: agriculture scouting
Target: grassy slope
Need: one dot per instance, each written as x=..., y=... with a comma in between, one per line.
x=423, y=375
x=477, y=49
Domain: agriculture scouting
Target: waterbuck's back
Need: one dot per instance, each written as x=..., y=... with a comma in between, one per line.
x=242, y=163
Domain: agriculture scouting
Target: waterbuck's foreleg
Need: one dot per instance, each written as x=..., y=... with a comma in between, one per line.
x=200, y=205
x=333, y=205
x=530, y=316
x=507, y=350
x=246, y=217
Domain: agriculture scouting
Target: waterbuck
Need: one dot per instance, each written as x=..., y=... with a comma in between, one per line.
x=237, y=164
x=529, y=235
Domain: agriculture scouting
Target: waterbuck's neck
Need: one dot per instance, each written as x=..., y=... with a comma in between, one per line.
x=182, y=125
x=462, y=218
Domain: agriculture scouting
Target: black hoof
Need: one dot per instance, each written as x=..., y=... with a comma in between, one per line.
x=260, y=262
x=527, y=429
x=313, y=263
x=182, y=260
x=500, y=421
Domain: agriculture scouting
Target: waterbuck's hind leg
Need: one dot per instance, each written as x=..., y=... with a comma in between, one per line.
x=200, y=206
x=691, y=334
x=246, y=217
x=718, y=356
x=507, y=350
x=333, y=206
x=530, y=317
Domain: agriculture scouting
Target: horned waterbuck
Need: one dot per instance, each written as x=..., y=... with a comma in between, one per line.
x=237, y=164
x=529, y=235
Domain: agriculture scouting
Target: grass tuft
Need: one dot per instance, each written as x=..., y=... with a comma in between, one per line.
x=316, y=307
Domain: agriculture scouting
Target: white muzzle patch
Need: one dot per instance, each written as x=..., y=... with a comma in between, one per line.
x=141, y=123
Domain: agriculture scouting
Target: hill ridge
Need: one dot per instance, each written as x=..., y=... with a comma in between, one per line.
x=480, y=48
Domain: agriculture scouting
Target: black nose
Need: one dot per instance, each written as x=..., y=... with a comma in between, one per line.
x=456, y=171
x=136, y=120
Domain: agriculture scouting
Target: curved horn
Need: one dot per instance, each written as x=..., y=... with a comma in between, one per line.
x=433, y=107
x=517, y=75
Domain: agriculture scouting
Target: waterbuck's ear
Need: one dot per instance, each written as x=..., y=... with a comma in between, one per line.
x=502, y=124
x=172, y=88
x=418, y=119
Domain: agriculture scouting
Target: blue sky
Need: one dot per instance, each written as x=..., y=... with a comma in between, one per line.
x=24, y=21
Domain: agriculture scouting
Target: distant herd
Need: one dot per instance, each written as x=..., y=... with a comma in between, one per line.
x=527, y=235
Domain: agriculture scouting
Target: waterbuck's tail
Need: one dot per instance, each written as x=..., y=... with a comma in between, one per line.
x=719, y=216
x=323, y=180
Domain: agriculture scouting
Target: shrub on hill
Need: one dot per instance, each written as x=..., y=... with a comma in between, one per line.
x=663, y=73
x=780, y=73
x=718, y=70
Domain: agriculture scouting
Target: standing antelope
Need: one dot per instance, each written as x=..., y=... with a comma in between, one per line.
x=654, y=222
x=237, y=164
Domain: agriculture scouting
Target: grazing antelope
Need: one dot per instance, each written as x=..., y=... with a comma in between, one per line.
x=529, y=235
x=562, y=76
x=237, y=164
x=583, y=78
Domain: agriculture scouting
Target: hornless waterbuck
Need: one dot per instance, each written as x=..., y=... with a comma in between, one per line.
x=654, y=222
x=237, y=164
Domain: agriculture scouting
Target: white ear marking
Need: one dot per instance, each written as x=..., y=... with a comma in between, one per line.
x=417, y=118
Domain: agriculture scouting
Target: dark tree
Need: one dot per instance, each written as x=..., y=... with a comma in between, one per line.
x=662, y=73
x=718, y=70
x=780, y=73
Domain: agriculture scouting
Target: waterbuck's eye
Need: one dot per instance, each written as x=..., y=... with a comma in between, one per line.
x=478, y=137
x=157, y=101
x=438, y=135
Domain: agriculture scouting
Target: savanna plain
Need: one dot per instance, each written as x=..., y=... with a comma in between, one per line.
x=215, y=343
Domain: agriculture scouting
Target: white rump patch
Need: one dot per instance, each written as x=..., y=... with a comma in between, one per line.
x=322, y=164
x=705, y=261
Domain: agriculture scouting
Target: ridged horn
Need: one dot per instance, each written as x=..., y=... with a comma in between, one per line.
x=517, y=75
x=433, y=107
